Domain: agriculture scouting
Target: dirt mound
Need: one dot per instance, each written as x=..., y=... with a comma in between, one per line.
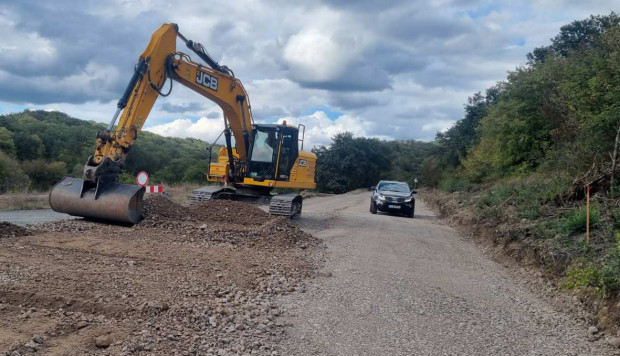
x=229, y=211
x=223, y=221
x=159, y=209
x=220, y=222
x=10, y=230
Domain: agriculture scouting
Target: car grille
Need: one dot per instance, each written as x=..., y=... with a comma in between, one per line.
x=395, y=199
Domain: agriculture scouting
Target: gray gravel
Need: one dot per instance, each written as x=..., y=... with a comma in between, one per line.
x=398, y=286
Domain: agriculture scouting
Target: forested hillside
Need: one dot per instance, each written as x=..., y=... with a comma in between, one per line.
x=37, y=148
x=520, y=159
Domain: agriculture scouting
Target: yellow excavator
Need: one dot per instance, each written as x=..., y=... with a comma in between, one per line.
x=263, y=157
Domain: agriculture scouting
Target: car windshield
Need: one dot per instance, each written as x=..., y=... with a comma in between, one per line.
x=394, y=187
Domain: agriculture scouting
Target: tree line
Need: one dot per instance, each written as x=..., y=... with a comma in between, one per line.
x=359, y=162
x=38, y=148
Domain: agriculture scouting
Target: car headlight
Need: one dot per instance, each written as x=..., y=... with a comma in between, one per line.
x=380, y=197
x=408, y=200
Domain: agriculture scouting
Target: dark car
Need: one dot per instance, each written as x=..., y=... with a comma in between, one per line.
x=392, y=197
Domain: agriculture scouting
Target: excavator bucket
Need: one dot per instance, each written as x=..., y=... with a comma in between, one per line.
x=112, y=201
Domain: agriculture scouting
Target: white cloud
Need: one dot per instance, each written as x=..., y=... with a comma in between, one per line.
x=320, y=128
x=204, y=128
x=438, y=125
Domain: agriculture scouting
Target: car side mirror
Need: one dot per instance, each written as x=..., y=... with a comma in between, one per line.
x=414, y=191
x=373, y=188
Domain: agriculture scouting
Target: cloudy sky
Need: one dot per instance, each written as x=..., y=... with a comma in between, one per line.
x=387, y=69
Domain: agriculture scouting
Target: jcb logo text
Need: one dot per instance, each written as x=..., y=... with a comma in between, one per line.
x=206, y=80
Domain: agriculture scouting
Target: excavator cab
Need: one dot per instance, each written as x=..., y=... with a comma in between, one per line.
x=273, y=152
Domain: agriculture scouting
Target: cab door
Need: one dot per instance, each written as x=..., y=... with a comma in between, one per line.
x=264, y=153
x=287, y=153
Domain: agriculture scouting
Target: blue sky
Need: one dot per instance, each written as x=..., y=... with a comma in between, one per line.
x=387, y=69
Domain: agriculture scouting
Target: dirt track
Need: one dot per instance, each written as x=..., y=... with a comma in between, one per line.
x=189, y=282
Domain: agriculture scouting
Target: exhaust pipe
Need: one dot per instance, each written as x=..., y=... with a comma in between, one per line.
x=112, y=201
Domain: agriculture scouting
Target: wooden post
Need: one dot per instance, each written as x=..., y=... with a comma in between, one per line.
x=614, y=159
x=588, y=214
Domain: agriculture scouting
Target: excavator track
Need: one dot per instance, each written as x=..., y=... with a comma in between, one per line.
x=282, y=204
x=209, y=193
x=286, y=205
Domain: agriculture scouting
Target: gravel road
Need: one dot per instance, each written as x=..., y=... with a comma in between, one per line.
x=398, y=286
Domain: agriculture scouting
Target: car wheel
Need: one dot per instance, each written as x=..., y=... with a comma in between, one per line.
x=412, y=212
x=373, y=207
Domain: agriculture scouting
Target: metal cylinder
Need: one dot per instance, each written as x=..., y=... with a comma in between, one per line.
x=113, y=201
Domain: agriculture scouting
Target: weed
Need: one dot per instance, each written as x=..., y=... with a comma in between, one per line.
x=605, y=278
x=496, y=197
x=575, y=220
x=453, y=184
x=581, y=276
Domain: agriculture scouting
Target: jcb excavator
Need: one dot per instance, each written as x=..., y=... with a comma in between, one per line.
x=264, y=156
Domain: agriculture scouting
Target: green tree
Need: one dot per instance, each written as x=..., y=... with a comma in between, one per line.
x=7, y=144
x=28, y=146
x=43, y=174
x=11, y=176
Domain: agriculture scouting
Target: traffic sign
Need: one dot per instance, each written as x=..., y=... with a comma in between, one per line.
x=142, y=178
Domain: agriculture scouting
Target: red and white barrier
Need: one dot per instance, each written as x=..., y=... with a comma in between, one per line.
x=154, y=189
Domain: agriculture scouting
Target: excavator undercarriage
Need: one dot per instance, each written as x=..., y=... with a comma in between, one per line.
x=279, y=204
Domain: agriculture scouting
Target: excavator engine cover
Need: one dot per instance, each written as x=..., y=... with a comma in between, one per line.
x=112, y=201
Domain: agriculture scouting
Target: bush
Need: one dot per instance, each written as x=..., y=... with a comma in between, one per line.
x=575, y=220
x=609, y=274
x=44, y=175
x=454, y=184
x=496, y=197
x=12, y=178
x=581, y=276
x=605, y=278
x=196, y=173
x=127, y=178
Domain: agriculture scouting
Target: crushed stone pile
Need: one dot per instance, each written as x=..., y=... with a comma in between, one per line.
x=213, y=222
x=229, y=211
x=159, y=209
x=199, y=280
x=10, y=230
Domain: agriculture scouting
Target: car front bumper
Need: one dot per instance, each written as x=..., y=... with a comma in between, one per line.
x=392, y=207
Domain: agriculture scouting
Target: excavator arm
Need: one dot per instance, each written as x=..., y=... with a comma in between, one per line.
x=159, y=62
x=100, y=195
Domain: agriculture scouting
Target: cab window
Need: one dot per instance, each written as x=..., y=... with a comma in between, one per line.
x=263, y=154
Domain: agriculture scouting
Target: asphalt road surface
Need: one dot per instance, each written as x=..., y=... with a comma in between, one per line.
x=23, y=217
x=398, y=286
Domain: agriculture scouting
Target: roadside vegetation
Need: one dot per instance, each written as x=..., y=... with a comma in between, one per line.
x=518, y=163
